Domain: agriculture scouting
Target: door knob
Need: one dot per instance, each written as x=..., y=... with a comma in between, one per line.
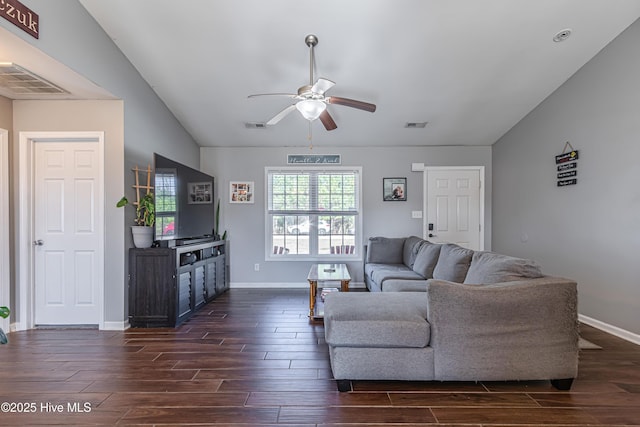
x=432, y=235
x=38, y=242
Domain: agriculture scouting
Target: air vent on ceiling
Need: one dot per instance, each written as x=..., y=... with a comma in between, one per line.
x=415, y=125
x=254, y=125
x=23, y=82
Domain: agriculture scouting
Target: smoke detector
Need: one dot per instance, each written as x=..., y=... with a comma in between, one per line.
x=562, y=35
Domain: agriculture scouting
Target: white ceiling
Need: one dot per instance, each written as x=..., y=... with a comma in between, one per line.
x=471, y=68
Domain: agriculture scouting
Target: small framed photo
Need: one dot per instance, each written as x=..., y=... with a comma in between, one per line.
x=200, y=192
x=241, y=192
x=394, y=189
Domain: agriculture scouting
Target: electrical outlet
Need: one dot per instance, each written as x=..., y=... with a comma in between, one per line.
x=256, y=267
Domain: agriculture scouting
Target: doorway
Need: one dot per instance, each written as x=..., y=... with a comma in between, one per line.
x=454, y=205
x=5, y=292
x=61, y=229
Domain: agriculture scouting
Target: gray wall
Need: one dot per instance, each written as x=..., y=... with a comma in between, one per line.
x=71, y=36
x=590, y=231
x=245, y=223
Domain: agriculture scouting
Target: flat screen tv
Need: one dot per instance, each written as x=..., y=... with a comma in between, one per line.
x=185, y=203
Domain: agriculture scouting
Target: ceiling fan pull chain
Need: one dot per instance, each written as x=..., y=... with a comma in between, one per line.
x=310, y=137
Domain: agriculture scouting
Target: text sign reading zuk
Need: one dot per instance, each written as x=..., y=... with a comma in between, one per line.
x=20, y=16
x=567, y=157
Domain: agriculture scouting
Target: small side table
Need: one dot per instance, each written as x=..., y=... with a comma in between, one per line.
x=325, y=273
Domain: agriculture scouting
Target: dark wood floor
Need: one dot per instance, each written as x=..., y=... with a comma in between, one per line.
x=252, y=358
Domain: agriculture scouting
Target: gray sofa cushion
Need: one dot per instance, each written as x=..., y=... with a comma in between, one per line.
x=361, y=319
x=453, y=263
x=404, y=285
x=393, y=271
x=426, y=259
x=385, y=250
x=410, y=249
x=490, y=267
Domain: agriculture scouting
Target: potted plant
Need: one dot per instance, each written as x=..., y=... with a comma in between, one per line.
x=145, y=220
x=4, y=313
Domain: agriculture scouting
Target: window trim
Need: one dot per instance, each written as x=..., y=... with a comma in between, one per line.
x=268, y=249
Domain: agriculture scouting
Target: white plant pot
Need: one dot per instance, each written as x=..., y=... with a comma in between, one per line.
x=142, y=236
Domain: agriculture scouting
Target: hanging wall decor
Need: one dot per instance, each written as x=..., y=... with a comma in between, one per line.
x=567, y=166
x=394, y=189
x=241, y=192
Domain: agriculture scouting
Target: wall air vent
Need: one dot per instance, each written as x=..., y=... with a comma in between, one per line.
x=415, y=125
x=20, y=81
x=254, y=125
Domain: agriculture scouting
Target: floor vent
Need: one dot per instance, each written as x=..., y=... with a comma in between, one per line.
x=20, y=81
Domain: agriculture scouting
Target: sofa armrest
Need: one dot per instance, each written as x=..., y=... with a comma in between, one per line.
x=521, y=329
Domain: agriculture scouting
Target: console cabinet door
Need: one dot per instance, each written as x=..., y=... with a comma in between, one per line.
x=152, y=290
x=210, y=280
x=221, y=279
x=185, y=289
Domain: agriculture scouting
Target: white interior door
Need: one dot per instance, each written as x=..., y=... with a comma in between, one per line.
x=67, y=231
x=453, y=204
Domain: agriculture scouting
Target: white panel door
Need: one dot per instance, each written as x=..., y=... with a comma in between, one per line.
x=68, y=244
x=453, y=207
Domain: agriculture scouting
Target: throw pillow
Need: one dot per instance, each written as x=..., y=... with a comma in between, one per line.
x=426, y=259
x=453, y=263
x=410, y=250
x=490, y=267
x=385, y=250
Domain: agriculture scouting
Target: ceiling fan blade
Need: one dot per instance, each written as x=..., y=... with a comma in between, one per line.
x=281, y=115
x=322, y=85
x=351, y=103
x=327, y=121
x=288, y=95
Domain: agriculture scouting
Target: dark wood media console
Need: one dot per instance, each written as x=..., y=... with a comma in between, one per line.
x=168, y=285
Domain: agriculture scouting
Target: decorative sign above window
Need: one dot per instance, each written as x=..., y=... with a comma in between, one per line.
x=20, y=16
x=315, y=159
x=567, y=168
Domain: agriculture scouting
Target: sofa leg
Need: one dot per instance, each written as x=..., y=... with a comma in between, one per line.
x=562, y=384
x=343, y=385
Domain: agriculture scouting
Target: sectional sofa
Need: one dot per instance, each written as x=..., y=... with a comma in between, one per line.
x=443, y=312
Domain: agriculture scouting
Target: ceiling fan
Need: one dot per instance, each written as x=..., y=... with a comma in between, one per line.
x=311, y=100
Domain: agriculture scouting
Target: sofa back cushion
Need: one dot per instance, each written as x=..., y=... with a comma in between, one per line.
x=410, y=250
x=453, y=263
x=385, y=250
x=426, y=259
x=490, y=267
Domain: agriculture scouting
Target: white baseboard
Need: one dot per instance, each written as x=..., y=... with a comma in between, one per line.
x=613, y=330
x=281, y=285
x=116, y=326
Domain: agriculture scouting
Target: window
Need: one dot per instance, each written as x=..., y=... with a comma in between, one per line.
x=166, y=203
x=313, y=213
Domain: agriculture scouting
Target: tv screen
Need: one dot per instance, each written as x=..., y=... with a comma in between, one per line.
x=185, y=202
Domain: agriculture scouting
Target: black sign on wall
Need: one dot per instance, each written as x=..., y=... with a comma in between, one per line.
x=567, y=166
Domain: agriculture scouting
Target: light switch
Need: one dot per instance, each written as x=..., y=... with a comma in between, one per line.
x=416, y=214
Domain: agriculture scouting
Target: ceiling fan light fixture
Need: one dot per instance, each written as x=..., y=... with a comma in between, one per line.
x=311, y=108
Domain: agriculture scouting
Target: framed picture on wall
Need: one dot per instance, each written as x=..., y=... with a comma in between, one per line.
x=200, y=192
x=394, y=189
x=241, y=192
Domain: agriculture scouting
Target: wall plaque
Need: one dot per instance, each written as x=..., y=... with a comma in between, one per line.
x=20, y=16
x=567, y=166
x=315, y=159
